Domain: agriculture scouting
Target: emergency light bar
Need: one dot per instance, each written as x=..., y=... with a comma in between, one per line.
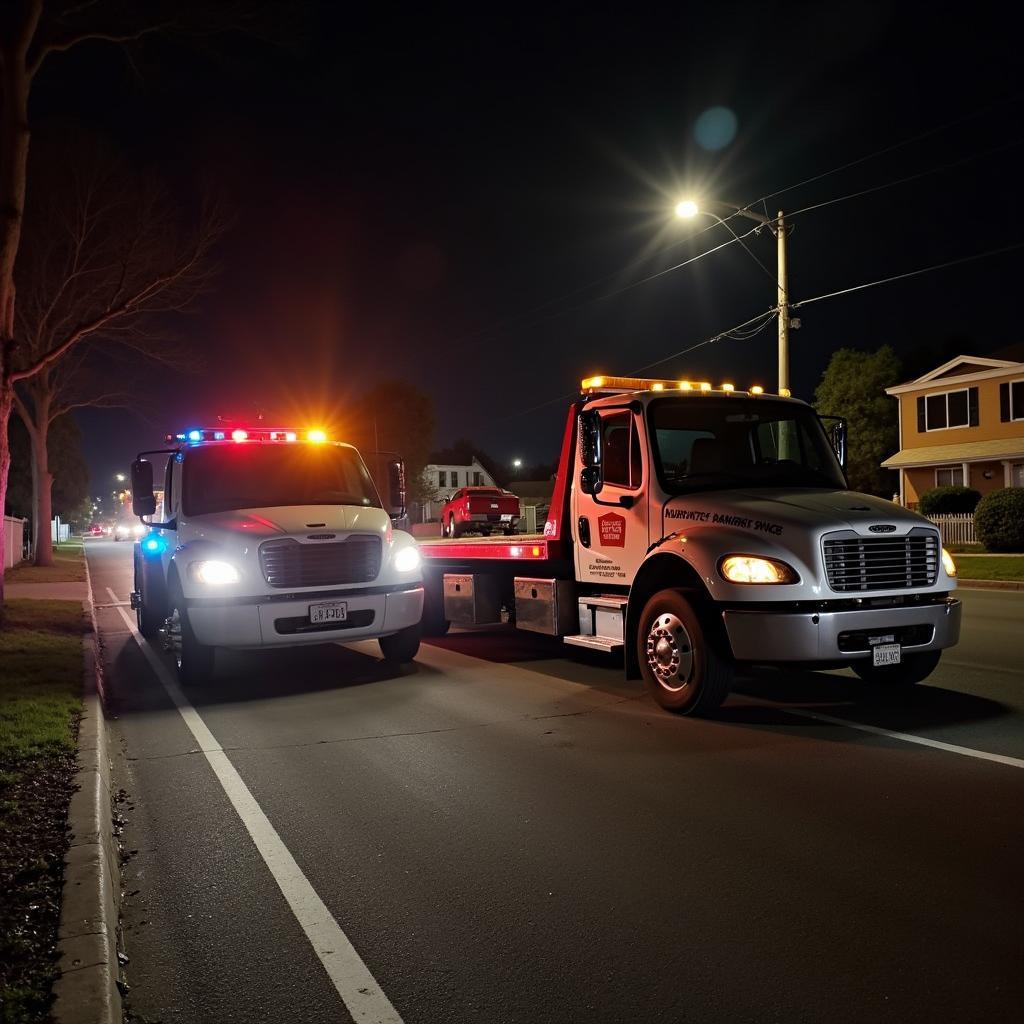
x=620, y=385
x=198, y=435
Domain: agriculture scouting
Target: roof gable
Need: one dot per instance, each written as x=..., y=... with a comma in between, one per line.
x=961, y=365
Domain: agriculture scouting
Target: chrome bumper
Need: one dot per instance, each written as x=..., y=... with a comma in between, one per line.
x=768, y=636
x=253, y=622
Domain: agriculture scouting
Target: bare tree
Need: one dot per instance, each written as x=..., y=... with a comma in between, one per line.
x=31, y=32
x=94, y=234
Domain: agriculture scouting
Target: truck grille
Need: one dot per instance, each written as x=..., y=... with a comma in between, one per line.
x=882, y=563
x=287, y=563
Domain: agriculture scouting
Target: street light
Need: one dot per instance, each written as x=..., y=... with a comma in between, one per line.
x=119, y=477
x=687, y=209
x=517, y=465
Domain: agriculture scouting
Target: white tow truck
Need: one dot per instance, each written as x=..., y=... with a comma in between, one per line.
x=271, y=538
x=698, y=529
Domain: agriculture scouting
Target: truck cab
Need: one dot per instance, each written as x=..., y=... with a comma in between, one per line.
x=271, y=538
x=701, y=529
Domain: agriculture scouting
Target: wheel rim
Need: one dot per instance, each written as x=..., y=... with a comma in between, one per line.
x=670, y=652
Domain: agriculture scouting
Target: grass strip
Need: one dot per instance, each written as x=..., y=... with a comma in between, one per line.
x=40, y=707
x=992, y=567
x=68, y=567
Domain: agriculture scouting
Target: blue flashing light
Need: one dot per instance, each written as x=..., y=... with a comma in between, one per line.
x=179, y=437
x=154, y=544
x=218, y=435
x=195, y=435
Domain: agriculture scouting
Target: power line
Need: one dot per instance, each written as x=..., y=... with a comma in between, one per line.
x=910, y=273
x=908, y=178
x=889, y=149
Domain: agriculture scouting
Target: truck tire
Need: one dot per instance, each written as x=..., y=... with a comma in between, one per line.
x=914, y=668
x=193, y=660
x=679, y=661
x=400, y=648
x=152, y=606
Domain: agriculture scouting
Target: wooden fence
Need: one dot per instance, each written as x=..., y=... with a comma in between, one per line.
x=956, y=529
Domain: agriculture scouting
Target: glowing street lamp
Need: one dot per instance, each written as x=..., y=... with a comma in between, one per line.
x=687, y=209
x=119, y=477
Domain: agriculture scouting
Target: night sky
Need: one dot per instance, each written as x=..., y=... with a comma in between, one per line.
x=433, y=195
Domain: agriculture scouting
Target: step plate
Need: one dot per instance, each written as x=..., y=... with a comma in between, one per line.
x=595, y=643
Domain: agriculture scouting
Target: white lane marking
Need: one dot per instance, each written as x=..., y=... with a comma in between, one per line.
x=906, y=737
x=352, y=979
x=438, y=655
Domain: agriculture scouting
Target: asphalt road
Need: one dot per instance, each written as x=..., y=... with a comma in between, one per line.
x=506, y=834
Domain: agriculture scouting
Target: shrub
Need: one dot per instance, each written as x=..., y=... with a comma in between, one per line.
x=945, y=501
x=999, y=520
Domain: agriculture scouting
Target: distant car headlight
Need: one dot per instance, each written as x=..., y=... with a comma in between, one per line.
x=138, y=529
x=122, y=529
x=407, y=560
x=213, y=572
x=750, y=569
x=948, y=564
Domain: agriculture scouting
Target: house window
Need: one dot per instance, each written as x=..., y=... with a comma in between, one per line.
x=478, y=480
x=442, y=478
x=455, y=478
x=949, y=476
x=949, y=409
x=1011, y=400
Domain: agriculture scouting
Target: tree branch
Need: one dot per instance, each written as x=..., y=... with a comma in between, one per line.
x=62, y=45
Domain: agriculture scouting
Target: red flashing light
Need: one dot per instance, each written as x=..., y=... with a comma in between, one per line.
x=239, y=435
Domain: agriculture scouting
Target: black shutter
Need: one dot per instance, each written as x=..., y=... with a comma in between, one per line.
x=1004, y=402
x=920, y=416
x=972, y=407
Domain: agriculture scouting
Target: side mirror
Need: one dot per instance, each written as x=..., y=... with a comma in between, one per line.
x=143, y=499
x=396, y=489
x=590, y=439
x=590, y=480
x=835, y=428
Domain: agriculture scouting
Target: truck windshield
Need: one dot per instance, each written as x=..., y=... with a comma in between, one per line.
x=704, y=443
x=236, y=476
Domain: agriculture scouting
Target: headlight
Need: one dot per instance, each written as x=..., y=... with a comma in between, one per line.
x=213, y=572
x=749, y=569
x=407, y=560
x=122, y=528
x=948, y=564
x=138, y=529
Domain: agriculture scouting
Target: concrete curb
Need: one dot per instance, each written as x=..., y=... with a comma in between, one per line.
x=86, y=991
x=990, y=585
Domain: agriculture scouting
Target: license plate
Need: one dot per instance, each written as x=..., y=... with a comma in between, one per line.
x=320, y=614
x=506, y=518
x=885, y=654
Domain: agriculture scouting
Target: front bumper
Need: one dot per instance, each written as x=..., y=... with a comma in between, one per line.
x=767, y=636
x=283, y=621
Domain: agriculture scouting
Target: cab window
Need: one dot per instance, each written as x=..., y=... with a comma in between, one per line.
x=621, y=445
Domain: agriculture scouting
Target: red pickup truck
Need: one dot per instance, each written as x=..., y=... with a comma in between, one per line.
x=480, y=509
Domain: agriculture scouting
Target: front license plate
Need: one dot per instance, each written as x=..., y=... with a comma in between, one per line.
x=885, y=654
x=320, y=614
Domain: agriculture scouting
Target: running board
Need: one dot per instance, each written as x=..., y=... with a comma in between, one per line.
x=607, y=644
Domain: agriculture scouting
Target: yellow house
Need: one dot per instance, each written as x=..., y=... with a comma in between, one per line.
x=962, y=423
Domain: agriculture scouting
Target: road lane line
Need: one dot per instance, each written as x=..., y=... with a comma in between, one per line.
x=352, y=979
x=905, y=737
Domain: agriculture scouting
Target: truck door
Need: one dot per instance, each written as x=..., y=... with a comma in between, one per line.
x=611, y=528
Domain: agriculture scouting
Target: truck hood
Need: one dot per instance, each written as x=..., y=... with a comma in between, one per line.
x=261, y=523
x=809, y=508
